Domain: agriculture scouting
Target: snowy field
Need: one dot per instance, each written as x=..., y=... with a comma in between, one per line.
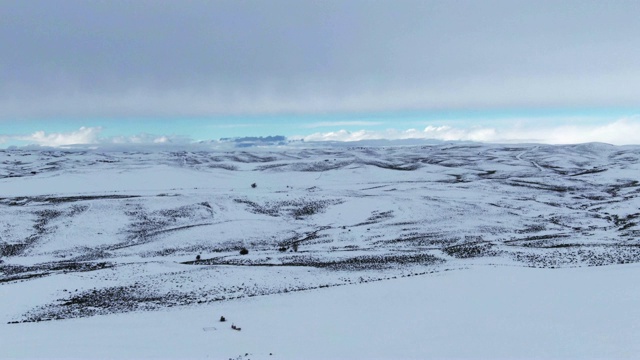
x=432, y=251
x=482, y=312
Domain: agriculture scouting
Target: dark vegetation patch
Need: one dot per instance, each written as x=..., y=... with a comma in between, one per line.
x=44, y=217
x=532, y=228
x=378, y=262
x=228, y=246
x=104, y=301
x=595, y=197
x=586, y=172
x=376, y=217
x=558, y=246
x=145, y=226
x=223, y=166
x=298, y=208
x=614, y=189
x=623, y=222
x=579, y=255
x=7, y=250
x=401, y=166
x=319, y=166
x=536, y=238
x=246, y=157
x=359, y=263
x=138, y=297
x=472, y=250
x=418, y=239
x=19, y=272
x=488, y=173
x=25, y=200
x=271, y=166
x=95, y=253
x=40, y=227
x=185, y=250
x=539, y=186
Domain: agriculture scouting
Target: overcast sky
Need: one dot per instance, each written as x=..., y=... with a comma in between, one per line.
x=199, y=58
x=77, y=71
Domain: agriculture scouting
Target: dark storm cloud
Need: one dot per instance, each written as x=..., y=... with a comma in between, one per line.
x=203, y=57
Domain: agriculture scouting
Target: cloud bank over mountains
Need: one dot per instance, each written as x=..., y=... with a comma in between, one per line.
x=91, y=136
x=620, y=132
x=625, y=131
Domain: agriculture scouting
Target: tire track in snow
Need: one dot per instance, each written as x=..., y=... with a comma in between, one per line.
x=519, y=158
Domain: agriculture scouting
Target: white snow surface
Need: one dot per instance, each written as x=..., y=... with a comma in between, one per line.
x=435, y=251
x=482, y=312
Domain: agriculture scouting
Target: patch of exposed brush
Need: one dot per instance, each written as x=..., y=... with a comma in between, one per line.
x=104, y=301
x=19, y=272
x=298, y=208
x=471, y=250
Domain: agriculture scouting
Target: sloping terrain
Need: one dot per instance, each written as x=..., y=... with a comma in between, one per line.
x=88, y=232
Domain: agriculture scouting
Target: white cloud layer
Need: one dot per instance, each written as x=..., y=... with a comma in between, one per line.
x=625, y=131
x=620, y=132
x=91, y=136
x=84, y=135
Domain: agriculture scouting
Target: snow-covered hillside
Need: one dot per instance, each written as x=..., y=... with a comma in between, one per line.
x=86, y=233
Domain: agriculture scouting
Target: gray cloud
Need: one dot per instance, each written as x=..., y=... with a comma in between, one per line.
x=77, y=58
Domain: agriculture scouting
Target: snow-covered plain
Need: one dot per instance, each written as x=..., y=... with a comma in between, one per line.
x=440, y=250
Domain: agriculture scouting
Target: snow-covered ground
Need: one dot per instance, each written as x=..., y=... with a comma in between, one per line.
x=440, y=250
x=483, y=312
